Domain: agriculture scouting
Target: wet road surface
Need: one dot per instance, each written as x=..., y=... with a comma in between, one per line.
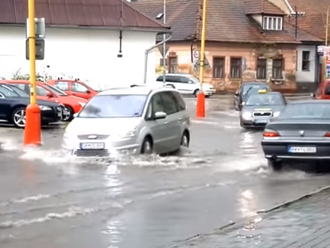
x=51, y=200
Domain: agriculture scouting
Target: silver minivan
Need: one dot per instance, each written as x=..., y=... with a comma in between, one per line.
x=138, y=120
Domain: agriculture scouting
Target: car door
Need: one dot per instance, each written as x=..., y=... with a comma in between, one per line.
x=172, y=120
x=4, y=108
x=237, y=98
x=80, y=90
x=172, y=81
x=187, y=86
x=158, y=128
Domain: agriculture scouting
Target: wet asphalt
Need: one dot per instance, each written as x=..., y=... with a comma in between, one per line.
x=50, y=200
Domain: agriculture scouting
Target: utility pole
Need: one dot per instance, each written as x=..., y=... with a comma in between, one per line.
x=32, y=132
x=200, y=107
x=164, y=45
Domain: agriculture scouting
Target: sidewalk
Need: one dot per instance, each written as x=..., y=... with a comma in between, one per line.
x=304, y=224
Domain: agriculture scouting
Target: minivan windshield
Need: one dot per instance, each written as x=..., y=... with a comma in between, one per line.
x=114, y=106
x=254, y=88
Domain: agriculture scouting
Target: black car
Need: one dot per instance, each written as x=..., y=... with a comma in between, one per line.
x=301, y=132
x=13, y=105
x=246, y=89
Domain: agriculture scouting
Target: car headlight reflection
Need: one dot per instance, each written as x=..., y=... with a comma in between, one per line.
x=43, y=108
x=276, y=114
x=246, y=115
x=129, y=134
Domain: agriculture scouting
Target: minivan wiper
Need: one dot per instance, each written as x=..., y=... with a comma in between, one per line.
x=248, y=90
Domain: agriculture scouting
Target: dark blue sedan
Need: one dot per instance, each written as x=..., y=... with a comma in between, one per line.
x=14, y=101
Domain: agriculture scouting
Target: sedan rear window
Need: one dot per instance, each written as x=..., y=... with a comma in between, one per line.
x=306, y=111
x=114, y=106
x=7, y=92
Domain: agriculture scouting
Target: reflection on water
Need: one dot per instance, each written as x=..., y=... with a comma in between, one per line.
x=114, y=228
x=247, y=203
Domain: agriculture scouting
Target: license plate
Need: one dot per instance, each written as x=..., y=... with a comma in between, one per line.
x=297, y=149
x=261, y=121
x=92, y=146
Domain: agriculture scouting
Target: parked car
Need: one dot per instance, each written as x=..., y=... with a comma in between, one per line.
x=246, y=89
x=13, y=105
x=301, y=132
x=323, y=90
x=260, y=108
x=74, y=88
x=186, y=84
x=47, y=92
x=137, y=119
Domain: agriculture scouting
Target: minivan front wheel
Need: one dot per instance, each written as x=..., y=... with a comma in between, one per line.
x=185, y=139
x=196, y=92
x=147, y=146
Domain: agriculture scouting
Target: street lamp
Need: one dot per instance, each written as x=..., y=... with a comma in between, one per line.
x=200, y=107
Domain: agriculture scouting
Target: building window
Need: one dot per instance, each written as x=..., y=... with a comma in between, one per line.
x=305, y=61
x=277, y=72
x=272, y=23
x=218, y=67
x=261, y=68
x=235, y=67
x=161, y=62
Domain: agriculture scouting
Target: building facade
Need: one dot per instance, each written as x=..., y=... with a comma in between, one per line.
x=245, y=41
x=99, y=50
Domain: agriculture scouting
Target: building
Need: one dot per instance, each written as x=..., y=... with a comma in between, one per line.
x=245, y=40
x=101, y=42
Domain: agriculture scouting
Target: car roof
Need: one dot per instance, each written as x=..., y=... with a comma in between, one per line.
x=138, y=90
x=313, y=101
x=177, y=74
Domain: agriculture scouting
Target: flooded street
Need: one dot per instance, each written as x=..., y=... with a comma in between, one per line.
x=51, y=200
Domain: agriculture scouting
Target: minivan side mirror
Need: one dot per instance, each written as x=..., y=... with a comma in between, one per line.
x=160, y=115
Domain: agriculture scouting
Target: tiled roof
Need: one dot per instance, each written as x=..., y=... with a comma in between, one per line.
x=101, y=13
x=314, y=19
x=182, y=15
x=262, y=7
x=227, y=21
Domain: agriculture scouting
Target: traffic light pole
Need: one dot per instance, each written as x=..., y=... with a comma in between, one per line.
x=32, y=132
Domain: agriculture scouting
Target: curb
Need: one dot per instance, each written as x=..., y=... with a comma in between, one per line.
x=243, y=221
x=288, y=203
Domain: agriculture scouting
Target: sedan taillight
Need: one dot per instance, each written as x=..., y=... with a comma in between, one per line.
x=327, y=135
x=270, y=133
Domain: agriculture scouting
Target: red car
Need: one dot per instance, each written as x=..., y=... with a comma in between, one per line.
x=47, y=92
x=73, y=87
x=323, y=91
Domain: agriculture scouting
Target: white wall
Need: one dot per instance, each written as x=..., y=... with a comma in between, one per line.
x=306, y=76
x=90, y=55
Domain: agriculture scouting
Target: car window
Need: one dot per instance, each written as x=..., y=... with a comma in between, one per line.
x=7, y=92
x=17, y=90
x=160, y=79
x=173, y=79
x=265, y=99
x=157, y=104
x=114, y=106
x=23, y=87
x=181, y=105
x=306, y=111
x=185, y=80
x=41, y=91
x=54, y=90
x=254, y=88
x=327, y=90
x=170, y=103
x=77, y=87
x=62, y=85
